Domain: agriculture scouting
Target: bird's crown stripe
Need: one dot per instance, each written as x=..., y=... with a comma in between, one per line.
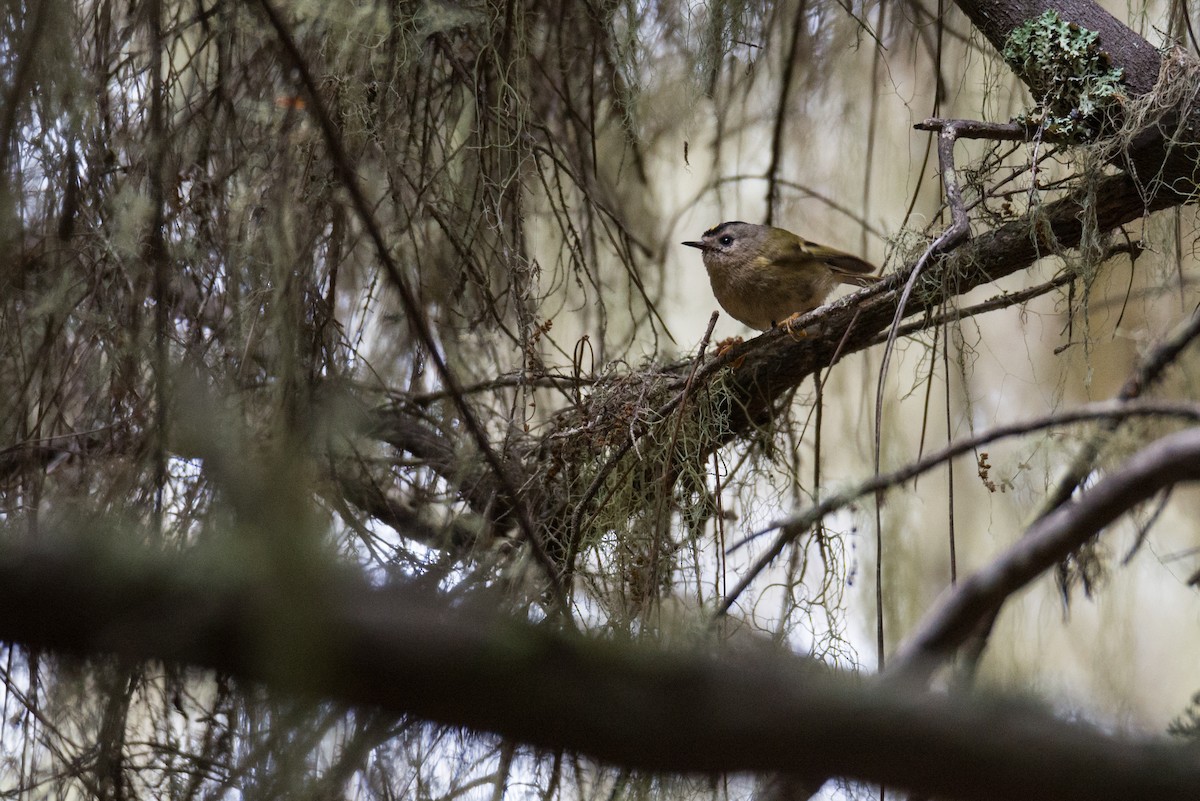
x=717, y=229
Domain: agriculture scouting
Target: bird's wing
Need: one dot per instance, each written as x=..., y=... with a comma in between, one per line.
x=803, y=252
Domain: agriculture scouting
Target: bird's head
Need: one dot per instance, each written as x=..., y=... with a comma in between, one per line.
x=733, y=244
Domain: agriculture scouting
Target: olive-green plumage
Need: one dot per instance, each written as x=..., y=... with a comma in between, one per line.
x=763, y=275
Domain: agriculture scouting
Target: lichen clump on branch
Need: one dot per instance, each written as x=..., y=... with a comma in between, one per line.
x=1071, y=77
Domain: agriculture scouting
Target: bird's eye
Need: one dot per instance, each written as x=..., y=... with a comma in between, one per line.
x=726, y=240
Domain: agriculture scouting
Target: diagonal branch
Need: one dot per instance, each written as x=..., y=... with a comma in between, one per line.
x=1162, y=152
x=1148, y=372
x=794, y=526
x=1164, y=463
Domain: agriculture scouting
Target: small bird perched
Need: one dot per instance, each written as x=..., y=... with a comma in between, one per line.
x=767, y=277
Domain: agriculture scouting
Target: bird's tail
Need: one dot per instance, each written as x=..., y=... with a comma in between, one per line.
x=847, y=268
x=856, y=279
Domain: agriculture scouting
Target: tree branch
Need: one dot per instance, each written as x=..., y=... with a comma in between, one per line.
x=793, y=526
x=1159, y=151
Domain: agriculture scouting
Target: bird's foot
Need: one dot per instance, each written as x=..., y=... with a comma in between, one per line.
x=789, y=328
x=726, y=345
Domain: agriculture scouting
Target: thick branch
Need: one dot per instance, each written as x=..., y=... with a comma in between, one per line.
x=330, y=637
x=996, y=19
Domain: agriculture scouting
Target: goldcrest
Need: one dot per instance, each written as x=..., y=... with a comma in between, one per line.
x=765, y=276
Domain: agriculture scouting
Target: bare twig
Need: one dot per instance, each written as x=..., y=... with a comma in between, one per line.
x=1004, y=301
x=978, y=129
x=955, y=234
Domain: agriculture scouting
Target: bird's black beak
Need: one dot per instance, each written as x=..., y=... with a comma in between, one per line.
x=700, y=245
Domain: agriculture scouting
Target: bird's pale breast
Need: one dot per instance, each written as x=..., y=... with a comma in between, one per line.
x=768, y=294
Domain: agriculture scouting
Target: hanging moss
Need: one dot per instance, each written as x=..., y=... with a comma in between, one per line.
x=1072, y=78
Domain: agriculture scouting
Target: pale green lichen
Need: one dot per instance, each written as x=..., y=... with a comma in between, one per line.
x=1071, y=77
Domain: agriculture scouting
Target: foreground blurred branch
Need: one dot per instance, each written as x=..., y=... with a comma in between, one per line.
x=329, y=636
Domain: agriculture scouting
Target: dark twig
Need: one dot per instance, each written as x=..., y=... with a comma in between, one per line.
x=21, y=76
x=781, y=128
x=977, y=129
x=1004, y=301
x=670, y=467
x=687, y=390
